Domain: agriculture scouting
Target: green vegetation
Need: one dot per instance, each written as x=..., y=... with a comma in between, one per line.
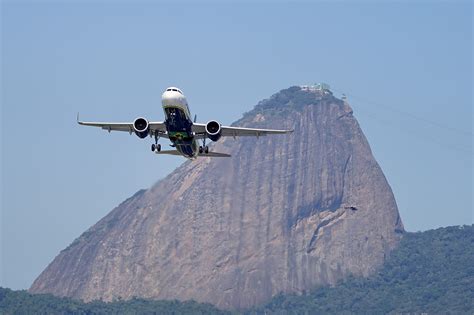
x=285, y=102
x=22, y=302
x=431, y=272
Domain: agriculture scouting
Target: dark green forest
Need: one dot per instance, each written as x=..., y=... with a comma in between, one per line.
x=431, y=272
x=22, y=302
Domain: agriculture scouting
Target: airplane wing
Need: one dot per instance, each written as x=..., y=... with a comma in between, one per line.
x=125, y=126
x=227, y=131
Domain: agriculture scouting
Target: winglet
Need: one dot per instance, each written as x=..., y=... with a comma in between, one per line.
x=78, y=121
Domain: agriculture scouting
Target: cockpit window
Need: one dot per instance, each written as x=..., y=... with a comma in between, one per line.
x=174, y=90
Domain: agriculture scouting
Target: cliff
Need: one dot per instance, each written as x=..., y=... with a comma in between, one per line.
x=284, y=214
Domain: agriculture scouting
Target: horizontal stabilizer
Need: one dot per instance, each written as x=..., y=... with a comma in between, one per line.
x=210, y=154
x=214, y=154
x=169, y=152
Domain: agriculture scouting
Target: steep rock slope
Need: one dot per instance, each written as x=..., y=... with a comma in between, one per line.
x=284, y=214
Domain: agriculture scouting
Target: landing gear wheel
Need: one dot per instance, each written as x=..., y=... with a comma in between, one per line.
x=200, y=149
x=206, y=149
x=156, y=147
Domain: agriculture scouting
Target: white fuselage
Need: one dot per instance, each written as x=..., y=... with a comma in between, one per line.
x=173, y=97
x=178, y=122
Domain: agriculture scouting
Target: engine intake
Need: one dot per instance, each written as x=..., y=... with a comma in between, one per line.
x=141, y=127
x=213, y=130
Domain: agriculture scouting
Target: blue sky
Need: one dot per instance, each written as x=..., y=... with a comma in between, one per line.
x=406, y=68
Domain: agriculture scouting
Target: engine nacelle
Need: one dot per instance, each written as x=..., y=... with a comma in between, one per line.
x=213, y=130
x=141, y=127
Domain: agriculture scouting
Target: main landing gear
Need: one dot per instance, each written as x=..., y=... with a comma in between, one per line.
x=204, y=148
x=155, y=146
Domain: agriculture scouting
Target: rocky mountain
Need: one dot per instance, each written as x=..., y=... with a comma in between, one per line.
x=286, y=213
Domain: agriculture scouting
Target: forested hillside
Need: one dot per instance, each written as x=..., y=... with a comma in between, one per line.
x=431, y=272
x=22, y=302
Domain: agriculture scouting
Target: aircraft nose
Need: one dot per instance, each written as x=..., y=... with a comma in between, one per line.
x=172, y=98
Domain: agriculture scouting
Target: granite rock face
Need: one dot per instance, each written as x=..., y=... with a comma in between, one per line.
x=284, y=214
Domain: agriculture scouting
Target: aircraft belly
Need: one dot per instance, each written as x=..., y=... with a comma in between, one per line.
x=179, y=128
x=188, y=150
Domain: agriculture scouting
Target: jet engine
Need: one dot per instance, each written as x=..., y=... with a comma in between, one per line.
x=213, y=130
x=141, y=127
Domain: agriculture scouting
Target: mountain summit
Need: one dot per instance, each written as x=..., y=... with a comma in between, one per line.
x=284, y=214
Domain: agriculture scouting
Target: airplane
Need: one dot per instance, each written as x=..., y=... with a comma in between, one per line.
x=183, y=132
